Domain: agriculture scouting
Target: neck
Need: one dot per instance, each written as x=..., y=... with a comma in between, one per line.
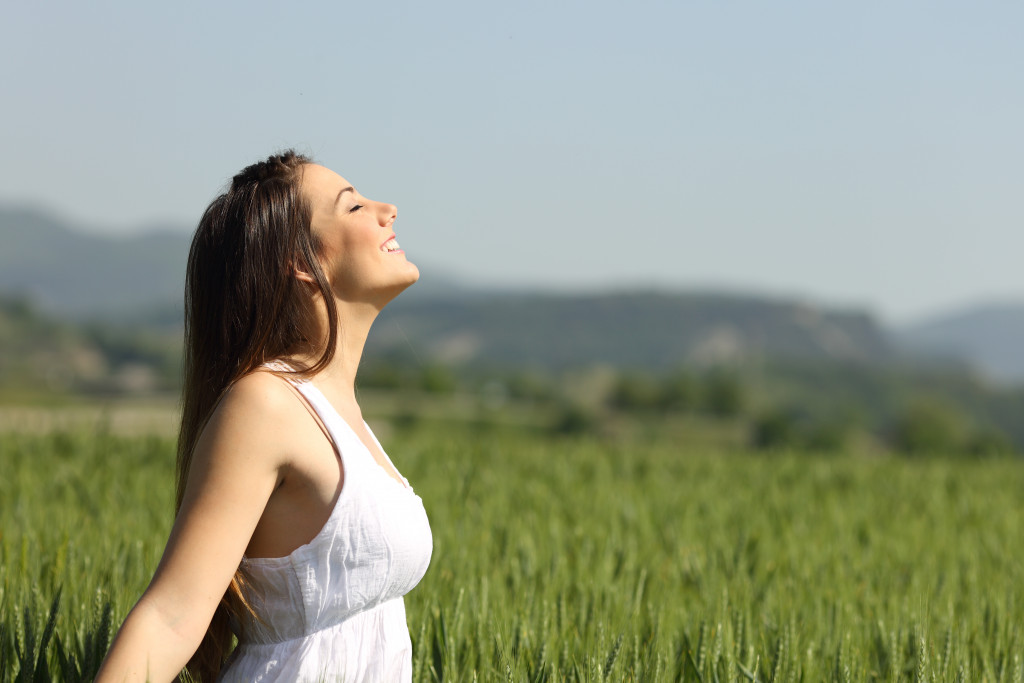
x=354, y=323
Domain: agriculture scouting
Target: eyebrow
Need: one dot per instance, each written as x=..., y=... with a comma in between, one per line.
x=343, y=191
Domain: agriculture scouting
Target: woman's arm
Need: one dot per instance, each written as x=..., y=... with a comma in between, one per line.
x=236, y=466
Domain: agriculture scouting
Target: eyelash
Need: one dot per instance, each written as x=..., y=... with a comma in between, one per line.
x=355, y=208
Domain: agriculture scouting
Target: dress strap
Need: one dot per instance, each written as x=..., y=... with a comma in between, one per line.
x=281, y=366
x=341, y=434
x=315, y=402
x=340, y=431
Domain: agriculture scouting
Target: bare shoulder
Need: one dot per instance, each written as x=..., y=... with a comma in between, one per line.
x=255, y=415
x=262, y=393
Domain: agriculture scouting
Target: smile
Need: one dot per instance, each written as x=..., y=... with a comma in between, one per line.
x=390, y=245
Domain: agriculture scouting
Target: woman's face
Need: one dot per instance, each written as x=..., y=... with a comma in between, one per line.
x=359, y=254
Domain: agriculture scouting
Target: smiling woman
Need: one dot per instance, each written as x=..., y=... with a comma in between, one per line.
x=357, y=239
x=294, y=531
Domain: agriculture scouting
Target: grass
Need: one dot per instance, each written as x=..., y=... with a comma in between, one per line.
x=582, y=559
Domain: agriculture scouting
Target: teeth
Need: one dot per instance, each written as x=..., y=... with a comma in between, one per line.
x=390, y=245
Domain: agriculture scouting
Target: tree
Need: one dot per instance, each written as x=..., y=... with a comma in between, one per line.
x=776, y=429
x=723, y=394
x=928, y=426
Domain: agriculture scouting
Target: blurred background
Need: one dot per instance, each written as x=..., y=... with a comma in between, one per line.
x=785, y=226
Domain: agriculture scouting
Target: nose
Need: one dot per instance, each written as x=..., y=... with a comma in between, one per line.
x=387, y=213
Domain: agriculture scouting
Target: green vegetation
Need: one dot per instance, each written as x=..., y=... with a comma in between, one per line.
x=786, y=392
x=583, y=558
x=46, y=359
x=811, y=406
x=622, y=486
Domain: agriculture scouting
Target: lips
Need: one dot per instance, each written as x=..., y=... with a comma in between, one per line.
x=390, y=245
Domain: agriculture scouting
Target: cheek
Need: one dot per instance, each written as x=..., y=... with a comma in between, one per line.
x=334, y=249
x=350, y=265
x=351, y=257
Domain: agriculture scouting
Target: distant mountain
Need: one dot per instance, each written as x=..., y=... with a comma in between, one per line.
x=138, y=280
x=636, y=329
x=69, y=272
x=40, y=355
x=990, y=337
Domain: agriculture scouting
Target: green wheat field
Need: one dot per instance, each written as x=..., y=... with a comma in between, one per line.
x=581, y=559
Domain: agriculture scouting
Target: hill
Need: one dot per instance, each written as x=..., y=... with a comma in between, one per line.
x=71, y=273
x=991, y=337
x=43, y=356
x=628, y=329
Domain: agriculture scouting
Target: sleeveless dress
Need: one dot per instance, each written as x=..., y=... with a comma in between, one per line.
x=332, y=610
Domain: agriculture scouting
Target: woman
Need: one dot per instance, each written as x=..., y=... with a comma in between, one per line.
x=294, y=530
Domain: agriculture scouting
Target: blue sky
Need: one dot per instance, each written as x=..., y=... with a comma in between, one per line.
x=854, y=154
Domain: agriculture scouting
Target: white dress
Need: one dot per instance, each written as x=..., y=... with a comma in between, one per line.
x=333, y=609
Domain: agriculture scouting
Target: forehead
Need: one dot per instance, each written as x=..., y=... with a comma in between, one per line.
x=321, y=185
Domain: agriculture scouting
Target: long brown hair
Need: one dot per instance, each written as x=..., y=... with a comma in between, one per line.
x=244, y=307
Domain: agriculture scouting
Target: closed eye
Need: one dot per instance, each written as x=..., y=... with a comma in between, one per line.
x=355, y=208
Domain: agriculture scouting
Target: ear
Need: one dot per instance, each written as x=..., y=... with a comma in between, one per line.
x=302, y=274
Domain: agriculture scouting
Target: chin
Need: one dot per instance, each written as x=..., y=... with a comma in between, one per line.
x=410, y=277
x=414, y=274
